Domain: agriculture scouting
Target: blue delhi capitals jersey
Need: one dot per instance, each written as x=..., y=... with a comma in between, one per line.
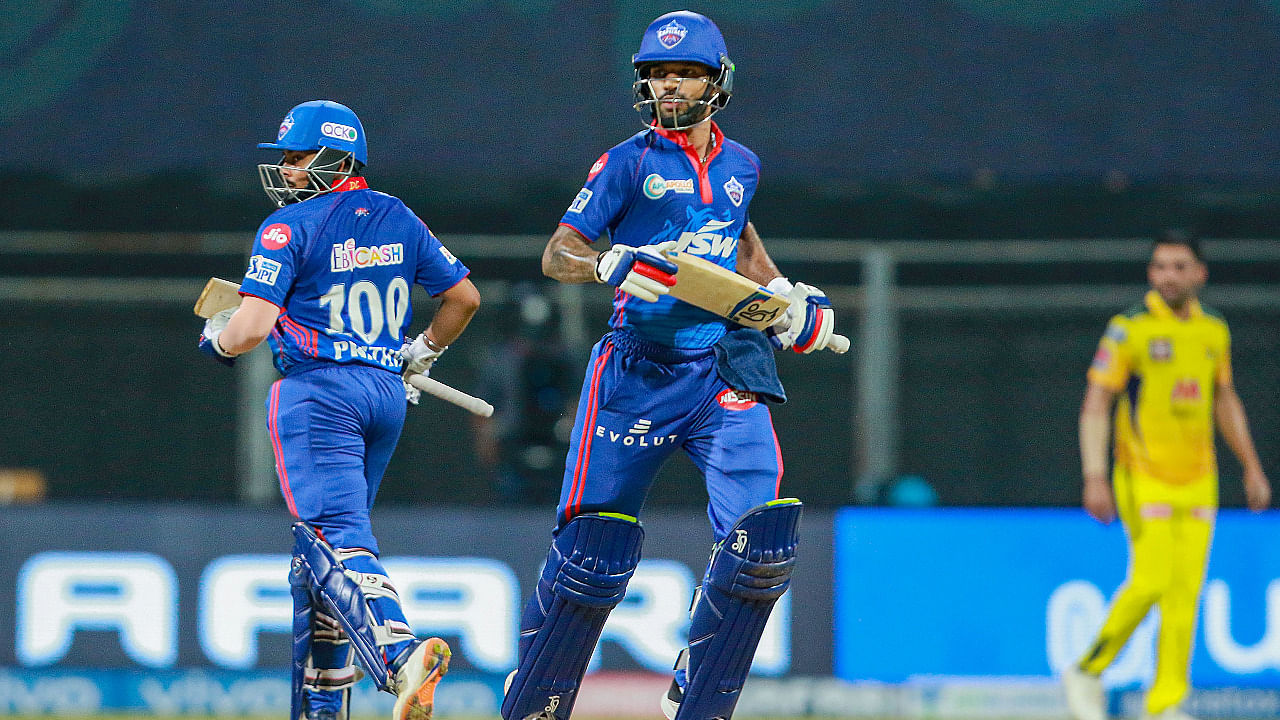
x=340, y=266
x=651, y=188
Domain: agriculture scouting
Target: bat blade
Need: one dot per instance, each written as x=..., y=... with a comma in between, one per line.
x=218, y=295
x=723, y=292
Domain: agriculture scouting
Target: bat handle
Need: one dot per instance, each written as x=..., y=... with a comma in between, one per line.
x=470, y=403
x=838, y=344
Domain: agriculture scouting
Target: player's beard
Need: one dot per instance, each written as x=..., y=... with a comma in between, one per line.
x=683, y=115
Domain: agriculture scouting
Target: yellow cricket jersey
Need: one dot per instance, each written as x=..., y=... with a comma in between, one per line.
x=1165, y=370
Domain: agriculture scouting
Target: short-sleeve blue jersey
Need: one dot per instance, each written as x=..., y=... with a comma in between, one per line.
x=340, y=266
x=653, y=187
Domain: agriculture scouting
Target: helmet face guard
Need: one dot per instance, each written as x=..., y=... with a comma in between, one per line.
x=327, y=170
x=325, y=126
x=682, y=37
x=679, y=109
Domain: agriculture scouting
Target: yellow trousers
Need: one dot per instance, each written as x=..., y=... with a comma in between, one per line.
x=1170, y=528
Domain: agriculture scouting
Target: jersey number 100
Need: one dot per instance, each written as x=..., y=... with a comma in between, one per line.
x=389, y=311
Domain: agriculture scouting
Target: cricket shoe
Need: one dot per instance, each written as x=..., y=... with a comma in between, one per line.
x=417, y=678
x=675, y=694
x=1085, y=697
x=1173, y=713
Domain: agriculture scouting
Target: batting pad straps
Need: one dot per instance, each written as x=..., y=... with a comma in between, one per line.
x=338, y=597
x=749, y=570
x=591, y=560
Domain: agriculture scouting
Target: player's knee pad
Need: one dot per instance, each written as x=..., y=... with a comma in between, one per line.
x=591, y=560
x=337, y=596
x=389, y=627
x=749, y=570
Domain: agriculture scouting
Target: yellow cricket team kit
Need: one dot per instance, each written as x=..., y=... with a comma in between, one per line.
x=1165, y=371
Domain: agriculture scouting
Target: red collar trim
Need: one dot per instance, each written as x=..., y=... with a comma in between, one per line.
x=682, y=138
x=352, y=183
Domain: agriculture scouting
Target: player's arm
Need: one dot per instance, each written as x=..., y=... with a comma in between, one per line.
x=809, y=323
x=1232, y=422
x=458, y=305
x=1095, y=435
x=248, y=326
x=640, y=271
x=569, y=258
x=753, y=260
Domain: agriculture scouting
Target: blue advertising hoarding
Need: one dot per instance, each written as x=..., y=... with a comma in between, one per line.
x=1020, y=593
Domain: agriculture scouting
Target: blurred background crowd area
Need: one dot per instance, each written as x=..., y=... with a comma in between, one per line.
x=973, y=187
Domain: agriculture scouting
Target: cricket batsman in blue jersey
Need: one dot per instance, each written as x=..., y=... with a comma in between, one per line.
x=669, y=376
x=328, y=286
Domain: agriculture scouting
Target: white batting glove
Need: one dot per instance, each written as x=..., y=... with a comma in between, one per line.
x=641, y=271
x=809, y=322
x=411, y=393
x=213, y=327
x=417, y=357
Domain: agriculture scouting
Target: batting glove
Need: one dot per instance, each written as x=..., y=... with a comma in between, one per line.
x=809, y=322
x=411, y=393
x=417, y=357
x=641, y=271
x=208, y=344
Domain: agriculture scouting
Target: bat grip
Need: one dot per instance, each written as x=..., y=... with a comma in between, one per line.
x=838, y=344
x=470, y=403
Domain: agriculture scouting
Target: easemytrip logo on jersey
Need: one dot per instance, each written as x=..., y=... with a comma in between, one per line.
x=135, y=597
x=1003, y=593
x=656, y=186
x=346, y=256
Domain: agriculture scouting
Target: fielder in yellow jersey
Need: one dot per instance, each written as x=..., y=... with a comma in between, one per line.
x=1165, y=366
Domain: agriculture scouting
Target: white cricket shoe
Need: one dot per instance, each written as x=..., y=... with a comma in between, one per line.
x=1173, y=713
x=416, y=680
x=1085, y=697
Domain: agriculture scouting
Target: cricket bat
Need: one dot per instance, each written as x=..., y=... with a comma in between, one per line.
x=219, y=295
x=721, y=291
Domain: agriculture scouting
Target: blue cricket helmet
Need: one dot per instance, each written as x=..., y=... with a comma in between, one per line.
x=321, y=124
x=328, y=127
x=683, y=36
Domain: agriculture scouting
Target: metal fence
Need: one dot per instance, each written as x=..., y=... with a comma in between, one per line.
x=967, y=371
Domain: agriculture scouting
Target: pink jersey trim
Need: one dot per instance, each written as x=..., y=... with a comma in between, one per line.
x=584, y=443
x=273, y=427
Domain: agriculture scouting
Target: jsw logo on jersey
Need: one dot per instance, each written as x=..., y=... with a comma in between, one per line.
x=346, y=256
x=708, y=240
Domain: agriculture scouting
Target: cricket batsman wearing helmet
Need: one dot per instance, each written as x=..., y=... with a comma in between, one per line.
x=328, y=286
x=669, y=376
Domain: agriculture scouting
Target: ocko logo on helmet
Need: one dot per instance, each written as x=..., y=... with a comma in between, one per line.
x=338, y=131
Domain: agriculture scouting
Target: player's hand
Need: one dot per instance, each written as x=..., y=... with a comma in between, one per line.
x=417, y=357
x=1099, y=500
x=411, y=393
x=641, y=271
x=1257, y=490
x=809, y=323
x=213, y=327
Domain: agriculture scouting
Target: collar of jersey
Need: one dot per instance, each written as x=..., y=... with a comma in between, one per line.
x=682, y=139
x=352, y=183
x=1161, y=309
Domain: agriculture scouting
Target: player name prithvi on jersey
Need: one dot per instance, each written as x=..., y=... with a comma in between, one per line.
x=386, y=357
